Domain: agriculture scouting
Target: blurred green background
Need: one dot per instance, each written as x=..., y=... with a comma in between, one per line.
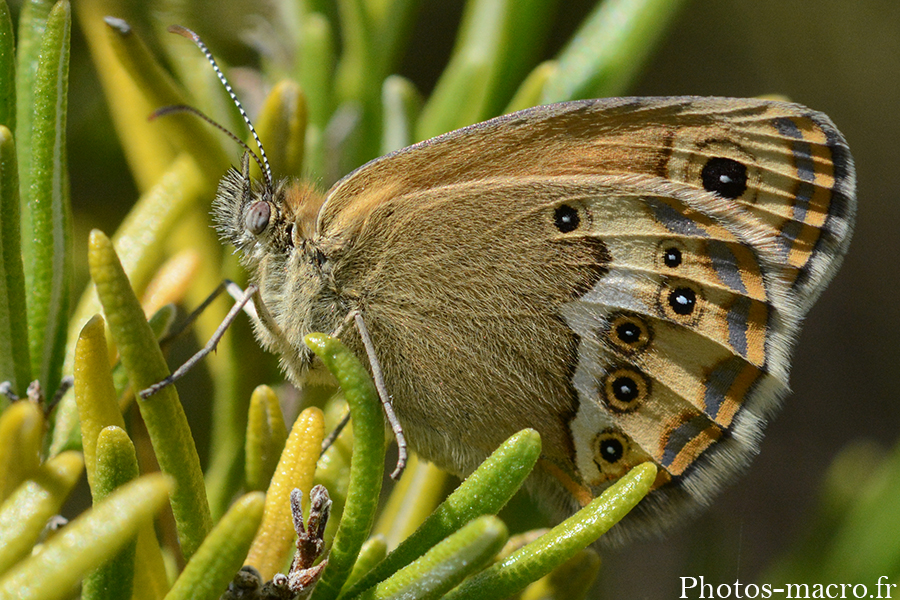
x=840, y=57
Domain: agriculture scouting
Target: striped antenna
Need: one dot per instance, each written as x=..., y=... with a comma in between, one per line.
x=264, y=167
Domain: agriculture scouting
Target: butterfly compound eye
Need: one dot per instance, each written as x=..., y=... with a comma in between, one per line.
x=258, y=217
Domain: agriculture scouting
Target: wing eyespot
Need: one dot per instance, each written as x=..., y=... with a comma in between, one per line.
x=671, y=254
x=566, y=218
x=625, y=389
x=629, y=333
x=720, y=166
x=681, y=301
x=672, y=257
x=725, y=177
x=609, y=448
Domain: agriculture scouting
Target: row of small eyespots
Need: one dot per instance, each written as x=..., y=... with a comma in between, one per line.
x=627, y=388
x=631, y=334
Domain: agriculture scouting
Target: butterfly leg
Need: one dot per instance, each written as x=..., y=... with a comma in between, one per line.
x=233, y=290
x=378, y=377
x=211, y=345
x=331, y=437
x=64, y=386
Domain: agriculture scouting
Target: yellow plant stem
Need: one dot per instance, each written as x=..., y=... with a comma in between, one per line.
x=87, y=542
x=270, y=549
x=21, y=432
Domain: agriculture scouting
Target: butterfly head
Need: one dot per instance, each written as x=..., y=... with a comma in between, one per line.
x=273, y=228
x=257, y=217
x=261, y=218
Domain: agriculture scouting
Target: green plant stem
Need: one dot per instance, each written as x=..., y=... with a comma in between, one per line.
x=86, y=543
x=372, y=552
x=485, y=491
x=561, y=543
x=610, y=49
x=15, y=362
x=32, y=25
x=25, y=513
x=220, y=556
x=21, y=433
x=445, y=565
x=139, y=243
x=95, y=394
x=46, y=214
x=116, y=465
x=7, y=69
x=266, y=435
x=366, y=465
x=162, y=413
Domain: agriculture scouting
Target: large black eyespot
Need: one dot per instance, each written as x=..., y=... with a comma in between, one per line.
x=628, y=333
x=625, y=389
x=610, y=448
x=566, y=218
x=257, y=218
x=683, y=300
x=725, y=177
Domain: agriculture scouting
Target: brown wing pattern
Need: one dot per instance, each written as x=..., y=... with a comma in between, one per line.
x=627, y=276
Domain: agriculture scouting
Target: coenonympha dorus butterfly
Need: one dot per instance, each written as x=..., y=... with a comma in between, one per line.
x=626, y=276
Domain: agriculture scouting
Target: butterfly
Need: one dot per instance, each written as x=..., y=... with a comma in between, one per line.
x=627, y=276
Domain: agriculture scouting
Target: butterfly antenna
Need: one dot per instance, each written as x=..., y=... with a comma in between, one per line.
x=176, y=108
x=264, y=165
